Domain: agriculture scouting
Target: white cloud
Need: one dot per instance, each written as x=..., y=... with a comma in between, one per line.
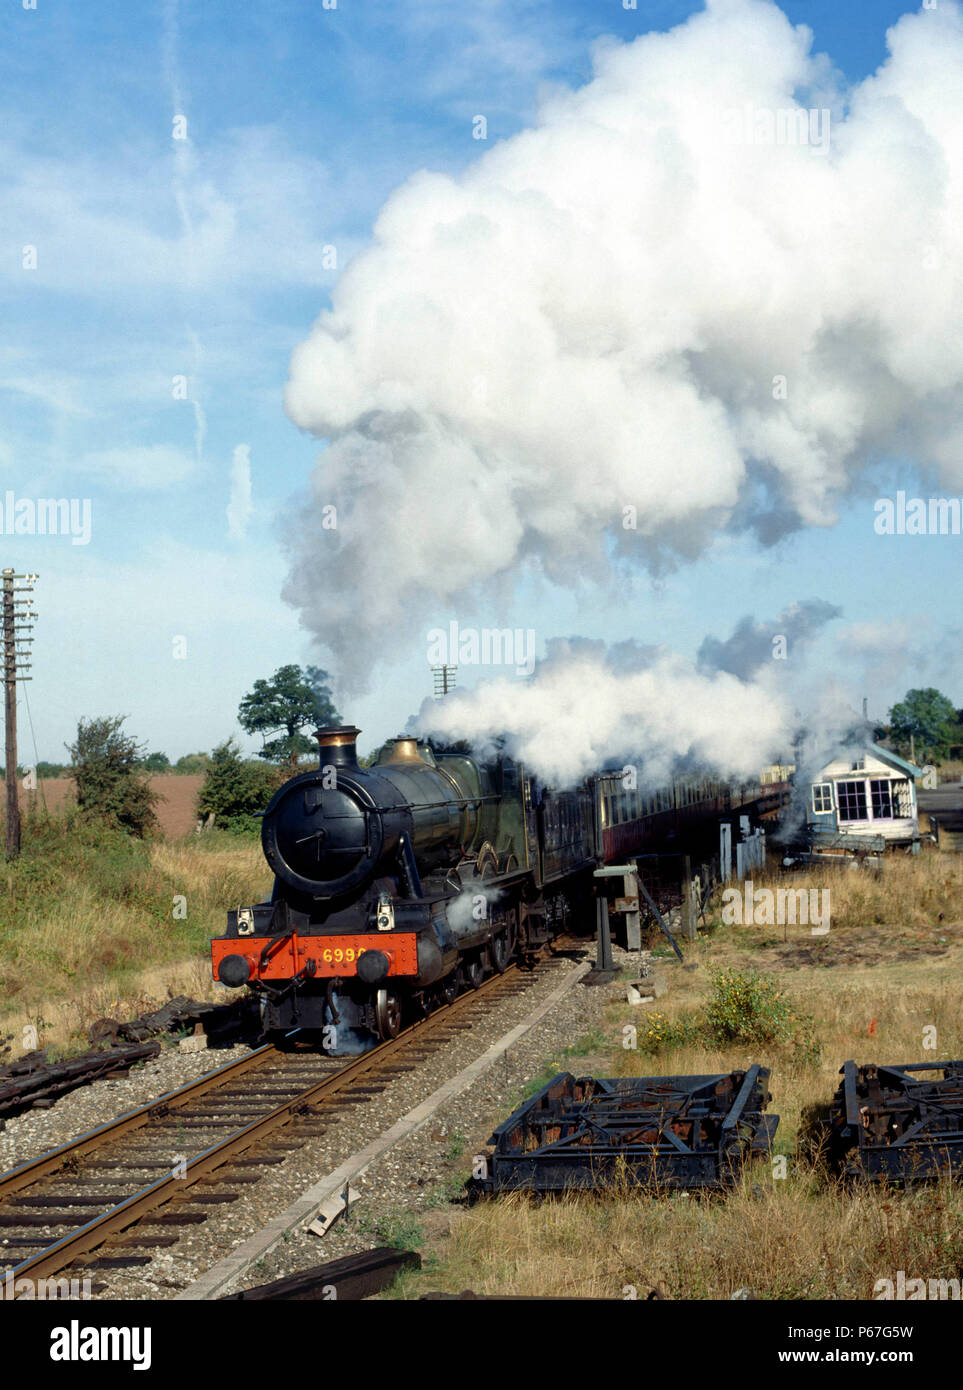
x=58, y=392
x=248, y=209
x=881, y=638
x=145, y=467
x=239, y=508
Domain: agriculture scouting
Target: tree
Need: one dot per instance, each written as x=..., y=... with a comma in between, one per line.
x=156, y=762
x=924, y=720
x=47, y=771
x=193, y=763
x=235, y=791
x=111, y=782
x=291, y=700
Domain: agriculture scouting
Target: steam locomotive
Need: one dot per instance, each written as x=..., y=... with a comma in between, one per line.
x=399, y=884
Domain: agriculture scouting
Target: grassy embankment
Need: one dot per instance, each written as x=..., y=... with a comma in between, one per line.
x=88, y=925
x=891, y=966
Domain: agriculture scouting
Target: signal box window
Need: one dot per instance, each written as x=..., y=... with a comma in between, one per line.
x=882, y=796
x=852, y=800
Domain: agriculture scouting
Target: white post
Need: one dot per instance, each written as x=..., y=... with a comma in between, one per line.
x=725, y=851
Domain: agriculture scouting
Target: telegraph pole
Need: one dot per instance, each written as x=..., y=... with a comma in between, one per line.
x=15, y=627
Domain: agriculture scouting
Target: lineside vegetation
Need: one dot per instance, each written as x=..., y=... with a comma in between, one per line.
x=891, y=965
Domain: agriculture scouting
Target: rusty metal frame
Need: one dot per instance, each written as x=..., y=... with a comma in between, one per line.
x=657, y=1132
x=901, y=1123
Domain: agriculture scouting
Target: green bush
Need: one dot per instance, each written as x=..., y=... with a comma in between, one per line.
x=112, y=786
x=667, y=1032
x=235, y=791
x=743, y=1007
x=50, y=771
x=747, y=1007
x=397, y=1227
x=192, y=763
x=156, y=762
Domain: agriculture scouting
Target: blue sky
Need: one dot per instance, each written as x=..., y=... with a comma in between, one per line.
x=300, y=122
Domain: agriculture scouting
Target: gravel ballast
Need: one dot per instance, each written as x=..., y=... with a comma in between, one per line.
x=412, y=1183
x=36, y=1131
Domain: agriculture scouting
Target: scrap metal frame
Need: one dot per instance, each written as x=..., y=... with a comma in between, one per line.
x=658, y=1132
x=892, y=1125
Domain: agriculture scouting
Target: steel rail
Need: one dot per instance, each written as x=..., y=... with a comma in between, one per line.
x=26, y=1174
x=176, y=1184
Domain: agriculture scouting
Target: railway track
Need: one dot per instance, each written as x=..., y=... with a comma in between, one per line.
x=109, y=1198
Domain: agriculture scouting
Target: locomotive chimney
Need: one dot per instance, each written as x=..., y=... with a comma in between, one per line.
x=338, y=747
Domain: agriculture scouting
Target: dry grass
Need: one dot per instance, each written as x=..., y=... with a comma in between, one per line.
x=888, y=969
x=90, y=927
x=789, y=1239
x=220, y=871
x=909, y=891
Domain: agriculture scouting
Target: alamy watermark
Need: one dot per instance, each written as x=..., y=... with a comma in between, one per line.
x=28, y=1289
x=918, y=516
x=488, y=646
x=788, y=125
x=46, y=516
x=769, y=907
x=902, y=1289
x=76, y=1343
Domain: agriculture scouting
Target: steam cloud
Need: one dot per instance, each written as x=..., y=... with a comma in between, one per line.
x=751, y=645
x=639, y=303
x=585, y=706
x=592, y=315
x=462, y=912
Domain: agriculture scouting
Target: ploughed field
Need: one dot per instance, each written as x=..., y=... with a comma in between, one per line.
x=176, y=813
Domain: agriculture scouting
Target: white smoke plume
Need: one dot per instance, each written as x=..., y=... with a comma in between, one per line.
x=646, y=301
x=832, y=729
x=586, y=706
x=468, y=912
x=753, y=644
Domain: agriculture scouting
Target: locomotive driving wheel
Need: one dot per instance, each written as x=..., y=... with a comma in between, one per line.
x=387, y=1014
x=502, y=945
x=474, y=972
